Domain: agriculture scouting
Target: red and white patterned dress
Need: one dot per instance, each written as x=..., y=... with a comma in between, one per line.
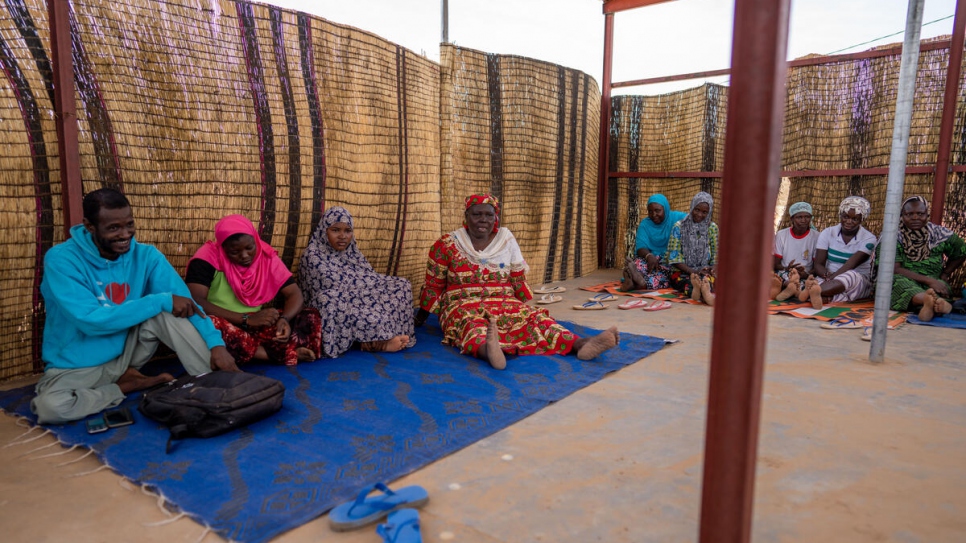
x=464, y=285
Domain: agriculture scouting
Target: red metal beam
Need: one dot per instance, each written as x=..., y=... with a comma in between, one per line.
x=811, y=61
x=752, y=160
x=615, y=6
x=603, y=163
x=949, y=112
x=65, y=113
x=785, y=173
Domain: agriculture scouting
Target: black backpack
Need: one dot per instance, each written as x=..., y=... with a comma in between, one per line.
x=212, y=403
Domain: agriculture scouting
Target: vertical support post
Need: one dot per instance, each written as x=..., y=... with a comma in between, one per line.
x=905, y=94
x=752, y=160
x=65, y=112
x=949, y=112
x=444, y=24
x=603, y=166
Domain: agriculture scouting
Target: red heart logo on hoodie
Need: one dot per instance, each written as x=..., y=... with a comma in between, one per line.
x=117, y=293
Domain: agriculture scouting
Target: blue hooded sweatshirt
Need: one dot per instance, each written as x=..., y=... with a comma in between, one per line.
x=92, y=302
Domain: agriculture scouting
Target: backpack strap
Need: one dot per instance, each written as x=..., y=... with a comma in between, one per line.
x=177, y=432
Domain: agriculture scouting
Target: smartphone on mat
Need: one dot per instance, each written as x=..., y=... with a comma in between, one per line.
x=118, y=417
x=96, y=425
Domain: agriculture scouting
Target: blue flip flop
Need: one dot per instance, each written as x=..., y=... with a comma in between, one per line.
x=402, y=526
x=366, y=510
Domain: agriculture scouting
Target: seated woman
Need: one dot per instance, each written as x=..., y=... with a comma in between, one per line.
x=693, y=251
x=357, y=304
x=921, y=276
x=794, y=252
x=646, y=271
x=841, y=266
x=476, y=282
x=235, y=279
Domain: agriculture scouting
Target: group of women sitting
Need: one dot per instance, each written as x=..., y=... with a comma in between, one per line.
x=475, y=281
x=679, y=250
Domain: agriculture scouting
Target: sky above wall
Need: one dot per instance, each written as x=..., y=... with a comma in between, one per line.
x=677, y=37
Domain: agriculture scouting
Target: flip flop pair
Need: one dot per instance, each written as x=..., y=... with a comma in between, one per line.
x=547, y=289
x=367, y=509
x=549, y=299
x=646, y=305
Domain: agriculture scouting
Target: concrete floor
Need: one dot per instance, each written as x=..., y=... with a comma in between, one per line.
x=849, y=451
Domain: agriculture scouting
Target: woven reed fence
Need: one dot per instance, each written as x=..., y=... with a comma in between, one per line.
x=837, y=116
x=197, y=110
x=527, y=132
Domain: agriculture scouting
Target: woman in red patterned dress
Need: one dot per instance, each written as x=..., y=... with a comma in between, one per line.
x=476, y=282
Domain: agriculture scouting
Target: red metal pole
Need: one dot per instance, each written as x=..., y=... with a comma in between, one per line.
x=752, y=161
x=65, y=109
x=949, y=112
x=603, y=166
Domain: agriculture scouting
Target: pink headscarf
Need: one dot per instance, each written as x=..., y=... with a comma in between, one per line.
x=254, y=285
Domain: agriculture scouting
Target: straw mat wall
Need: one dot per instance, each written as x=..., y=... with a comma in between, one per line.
x=198, y=110
x=527, y=132
x=837, y=116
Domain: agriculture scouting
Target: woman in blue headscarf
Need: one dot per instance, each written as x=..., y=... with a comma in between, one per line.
x=646, y=271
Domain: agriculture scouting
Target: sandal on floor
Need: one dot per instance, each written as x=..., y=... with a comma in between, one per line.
x=590, y=306
x=401, y=527
x=657, y=305
x=366, y=510
x=867, y=334
x=841, y=323
x=603, y=297
x=547, y=289
x=635, y=303
x=549, y=299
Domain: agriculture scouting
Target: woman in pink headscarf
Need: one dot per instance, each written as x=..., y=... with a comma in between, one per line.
x=236, y=279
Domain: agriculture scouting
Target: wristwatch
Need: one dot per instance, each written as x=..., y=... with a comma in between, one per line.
x=244, y=320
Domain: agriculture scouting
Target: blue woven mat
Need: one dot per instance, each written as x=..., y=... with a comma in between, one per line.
x=950, y=320
x=345, y=424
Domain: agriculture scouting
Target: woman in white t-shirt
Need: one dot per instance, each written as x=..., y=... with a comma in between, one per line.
x=794, y=252
x=842, y=267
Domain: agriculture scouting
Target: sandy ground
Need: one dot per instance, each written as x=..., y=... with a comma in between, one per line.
x=849, y=451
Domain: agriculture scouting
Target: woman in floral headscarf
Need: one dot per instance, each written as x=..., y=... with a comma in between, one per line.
x=358, y=305
x=476, y=282
x=693, y=251
x=926, y=257
x=236, y=279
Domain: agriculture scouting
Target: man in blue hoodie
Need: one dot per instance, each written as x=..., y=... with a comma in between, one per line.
x=110, y=301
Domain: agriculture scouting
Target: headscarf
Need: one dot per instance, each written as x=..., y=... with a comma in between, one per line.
x=256, y=284
x=799, y=207
x=323, y=258
x=859, y=204
x=694, y=236
x=917, y=244
x=653, y=237
x=477, y=199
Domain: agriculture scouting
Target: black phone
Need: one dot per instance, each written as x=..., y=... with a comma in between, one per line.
x=96, y=425
x=118, y=417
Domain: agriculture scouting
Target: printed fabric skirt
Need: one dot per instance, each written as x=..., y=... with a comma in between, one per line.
x=637, y=276
x=523, y=329
x=242, y=343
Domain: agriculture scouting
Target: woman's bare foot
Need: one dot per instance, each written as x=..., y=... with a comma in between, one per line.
x=396, y=344
x=493, y=352
x=775, y=288
x=942, y=306
x=695, y=287
x=805, y=294
x=815, y=295
x=792, y=288
x=593, y=347
x=305, y=354
x=928, y=306
x=133, y=380
x=706, y=295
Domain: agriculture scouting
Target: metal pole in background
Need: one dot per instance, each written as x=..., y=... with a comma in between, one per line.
x=749, y=189
x=603, y=166
x=897, y=176
x=949, y=112
x=65, y=113
x=444, y=9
